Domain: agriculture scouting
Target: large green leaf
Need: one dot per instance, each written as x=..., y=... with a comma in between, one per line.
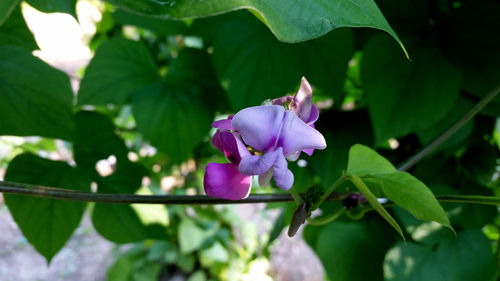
x=6, y=8
x=55, y=6
x=289, y=20
x=253, y=66
x=35, y=99
x=158, y=26
x=404, y=96
x=118, y=68
x=466, y=257
x=352, y=251
x=15, y=32
x=175, y=115
x=46, y=223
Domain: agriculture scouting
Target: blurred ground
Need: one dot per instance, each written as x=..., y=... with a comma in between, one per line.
x=84, y=258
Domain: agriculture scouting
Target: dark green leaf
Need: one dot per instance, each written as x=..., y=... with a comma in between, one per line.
x=118, y=68
x=289, y=20
x=6, y=8
x=116, y=222
x=329, y=163
x=404, y=96
x=466, y=257
x=96, y=139
x=35, y=99
x=176, y=115
x=253, y=66
x=470, y=38
x=15, y=32
x=55, y=6
x=46, y=223
x=352, y=251
x=157, y=25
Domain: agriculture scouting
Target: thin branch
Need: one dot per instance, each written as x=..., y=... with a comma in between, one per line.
x=72, y=195
x=450, y=131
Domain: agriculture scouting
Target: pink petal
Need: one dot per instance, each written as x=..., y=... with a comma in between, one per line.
x=259, y=125
x=225, y=181
x=302, y=101
x=231, y=145
x=223, y=124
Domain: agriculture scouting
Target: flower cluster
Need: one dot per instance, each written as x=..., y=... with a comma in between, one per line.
x=259, y=140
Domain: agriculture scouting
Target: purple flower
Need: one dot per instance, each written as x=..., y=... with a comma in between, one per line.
x=273, y=135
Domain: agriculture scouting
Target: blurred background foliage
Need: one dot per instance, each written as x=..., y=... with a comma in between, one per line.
x=139, y=122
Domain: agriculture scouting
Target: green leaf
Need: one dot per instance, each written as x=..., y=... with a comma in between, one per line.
x=365, y=161
x=191, y=236
x=55, y=6
x=400, y=187
x=15, y=32
x=175, y=115
x=404, y=96
x=6, y=8
x=35, y=99
x=96, y=140
x=288, y=20
x=160, y=27
x=408, y=192
x=466, y=257
x=352, y=251
x=46, y=223
x=118, y=68
x=329, y=163
x=134, y=266
x=253, y=66
x=470, y=40
x=370, y=197
x=117, y=222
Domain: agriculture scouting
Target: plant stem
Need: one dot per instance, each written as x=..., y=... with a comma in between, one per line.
x=296, y=196
x=328, y=192
x=72, y=195
x=451, y=130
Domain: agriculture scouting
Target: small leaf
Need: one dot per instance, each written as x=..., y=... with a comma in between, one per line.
x=364, y=161
x=191, y=236
x=118, y=68
x=46, y=223
x=408, y=192
x=374, y=202
x=35, y=99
